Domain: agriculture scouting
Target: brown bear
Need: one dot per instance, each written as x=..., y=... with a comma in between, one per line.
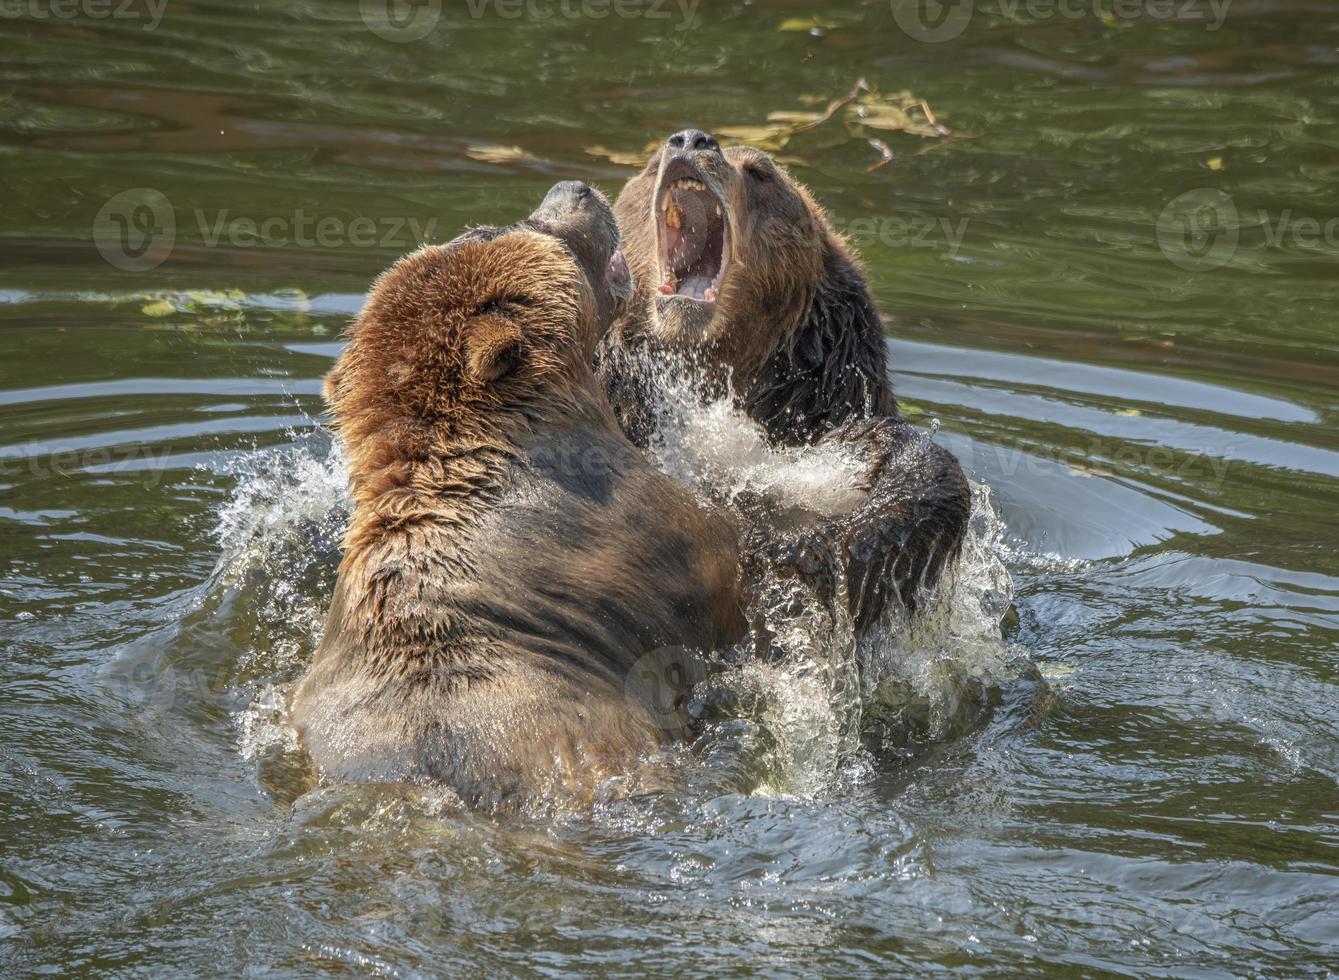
x=740, y=276
x=511, y=555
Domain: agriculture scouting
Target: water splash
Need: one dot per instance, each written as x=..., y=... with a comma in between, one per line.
x=721, y=452
x=279, y=537
x=284, y=496
x=931, y=679
x=796, y=719
x=823, y=704
x=821, y=695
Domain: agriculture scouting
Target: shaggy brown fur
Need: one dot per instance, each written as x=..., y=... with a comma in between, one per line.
x=789, y=323
x=511, y=555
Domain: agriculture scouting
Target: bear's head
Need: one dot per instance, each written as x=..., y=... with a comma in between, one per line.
x=737, y=263
x=460, y=346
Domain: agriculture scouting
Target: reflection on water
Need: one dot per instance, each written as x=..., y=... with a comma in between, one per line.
x=1138, y=775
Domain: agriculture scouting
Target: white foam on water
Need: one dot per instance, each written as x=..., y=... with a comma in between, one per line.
x=927, y=678
x=263, y=726
x=279, y=537
x=818, y=704
x=278, y=491
x=716, y=449
x=830, y=696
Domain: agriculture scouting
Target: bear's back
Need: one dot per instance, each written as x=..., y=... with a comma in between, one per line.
x=509, y=644
x=602, y=547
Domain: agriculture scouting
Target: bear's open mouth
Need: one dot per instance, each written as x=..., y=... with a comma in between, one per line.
x=693, y=235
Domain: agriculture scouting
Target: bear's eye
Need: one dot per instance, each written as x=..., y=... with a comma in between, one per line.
x=505, y=306
x=759, y=173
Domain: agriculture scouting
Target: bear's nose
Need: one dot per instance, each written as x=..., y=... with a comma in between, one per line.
x=693, y=139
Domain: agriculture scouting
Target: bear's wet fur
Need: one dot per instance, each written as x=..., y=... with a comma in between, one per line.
x=511, y=557
x=741, y=276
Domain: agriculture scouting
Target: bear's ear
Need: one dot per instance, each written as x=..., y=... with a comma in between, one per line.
x=493, y=349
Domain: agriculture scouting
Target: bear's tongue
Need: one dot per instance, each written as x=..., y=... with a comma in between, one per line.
x=693, y=227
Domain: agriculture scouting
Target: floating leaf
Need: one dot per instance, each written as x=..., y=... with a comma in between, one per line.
x=295, y=300
x=160, y=307
x=793, y=117
x=862, y=109
x=496, y=154
x=620, y=157
x=1133, y=412
x=767, y=137
x=886, y=155
x=1214, y=163
x=884, y=117
x=194, y=300
x=803, y=25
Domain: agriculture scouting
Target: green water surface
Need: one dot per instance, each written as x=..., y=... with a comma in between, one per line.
x=1113, y=282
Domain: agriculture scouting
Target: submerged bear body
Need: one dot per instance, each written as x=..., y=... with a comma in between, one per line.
x=524, y=629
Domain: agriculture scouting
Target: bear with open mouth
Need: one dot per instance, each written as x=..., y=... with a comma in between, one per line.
x=741, y=277
x=511, y=557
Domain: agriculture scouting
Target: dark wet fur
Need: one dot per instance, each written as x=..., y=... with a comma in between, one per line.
x=824, y=377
